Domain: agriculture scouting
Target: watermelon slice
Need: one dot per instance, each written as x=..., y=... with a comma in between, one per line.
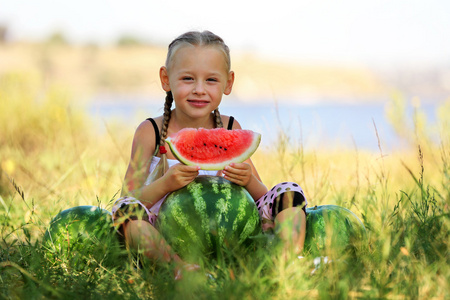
x=213, y=149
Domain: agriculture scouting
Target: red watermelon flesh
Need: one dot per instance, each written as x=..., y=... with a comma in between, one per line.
x=213, y=149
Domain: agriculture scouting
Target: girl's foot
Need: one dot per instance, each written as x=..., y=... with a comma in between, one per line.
x=319, y=261
x=187, y=267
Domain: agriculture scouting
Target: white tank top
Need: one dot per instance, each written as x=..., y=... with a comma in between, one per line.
x=155, y=160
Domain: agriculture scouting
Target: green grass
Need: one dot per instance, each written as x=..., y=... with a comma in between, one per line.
x=52, y=159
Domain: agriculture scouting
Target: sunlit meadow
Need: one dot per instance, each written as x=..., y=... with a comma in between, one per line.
x=52, y=158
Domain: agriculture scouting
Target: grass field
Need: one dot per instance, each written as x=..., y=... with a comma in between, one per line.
x=52, y=159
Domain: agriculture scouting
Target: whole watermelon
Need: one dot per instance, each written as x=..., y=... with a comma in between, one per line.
x=81, y=235
x=333, y=230
x=207, y=216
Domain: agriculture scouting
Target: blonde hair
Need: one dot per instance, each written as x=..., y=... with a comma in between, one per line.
x=197, y=38
x=194, y=38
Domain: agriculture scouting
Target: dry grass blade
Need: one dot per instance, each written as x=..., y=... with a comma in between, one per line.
x=25, y=273
x=17, y=188
x=378, y=139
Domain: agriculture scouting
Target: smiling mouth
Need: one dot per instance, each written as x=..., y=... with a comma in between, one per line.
x=198, y=101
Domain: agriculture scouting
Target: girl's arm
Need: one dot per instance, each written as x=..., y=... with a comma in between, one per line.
x=141, y=155
x=138, y=170
x=175, y=178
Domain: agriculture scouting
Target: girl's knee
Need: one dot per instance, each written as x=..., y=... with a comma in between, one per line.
x=286, y=200
x=140, y=227
x=282, y=196
x=294, y=214
x=137, y=232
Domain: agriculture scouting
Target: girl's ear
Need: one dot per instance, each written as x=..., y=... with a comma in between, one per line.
x=164, y=77
x=230, y=82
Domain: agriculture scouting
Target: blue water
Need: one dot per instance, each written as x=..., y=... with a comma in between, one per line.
x=321, y=126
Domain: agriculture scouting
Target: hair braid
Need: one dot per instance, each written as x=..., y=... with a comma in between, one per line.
x=217, y=119
x=166, y=116
x=163, y=165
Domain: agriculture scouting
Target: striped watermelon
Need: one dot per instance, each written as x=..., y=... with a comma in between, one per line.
x=81, y=234
x=332, y=229
x=207, y=216
x=213, y=149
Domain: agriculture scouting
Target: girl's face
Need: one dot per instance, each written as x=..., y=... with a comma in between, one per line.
x=197, y=77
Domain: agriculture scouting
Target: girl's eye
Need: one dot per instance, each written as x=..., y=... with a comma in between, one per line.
x=187, y=78
x=212, y=79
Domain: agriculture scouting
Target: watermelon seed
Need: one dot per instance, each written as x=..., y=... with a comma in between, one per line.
x=204, y=144
x=225, y=149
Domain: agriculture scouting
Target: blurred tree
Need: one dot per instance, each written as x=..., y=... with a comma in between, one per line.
x=57, y=38
x=3, y=33
x=129, y=40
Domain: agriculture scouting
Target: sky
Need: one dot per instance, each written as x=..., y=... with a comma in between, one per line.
x=347, y=31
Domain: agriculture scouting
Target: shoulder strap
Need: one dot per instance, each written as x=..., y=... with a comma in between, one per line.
x=157, y=138
x=230, y=123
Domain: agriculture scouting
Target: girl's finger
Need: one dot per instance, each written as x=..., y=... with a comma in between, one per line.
x=232, y=177
x=185, y=168
x=231, y=170
x=240, y=166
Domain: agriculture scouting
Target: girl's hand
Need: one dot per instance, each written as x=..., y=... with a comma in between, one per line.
x=179, y=176
x=239, y=173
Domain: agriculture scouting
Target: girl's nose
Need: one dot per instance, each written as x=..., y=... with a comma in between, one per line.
x=199, y=89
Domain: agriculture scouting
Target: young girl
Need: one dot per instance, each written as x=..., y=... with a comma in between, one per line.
x=195, y=76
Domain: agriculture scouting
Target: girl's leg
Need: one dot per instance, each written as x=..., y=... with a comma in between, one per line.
x=141, y=235
x=135, y=224
x=285, y=205
x=292, y=230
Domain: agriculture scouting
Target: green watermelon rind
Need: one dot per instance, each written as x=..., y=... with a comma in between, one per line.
x=70, y=219
x=205, y=227
x=80, y=232
x=171, y=141
x=333, y=229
